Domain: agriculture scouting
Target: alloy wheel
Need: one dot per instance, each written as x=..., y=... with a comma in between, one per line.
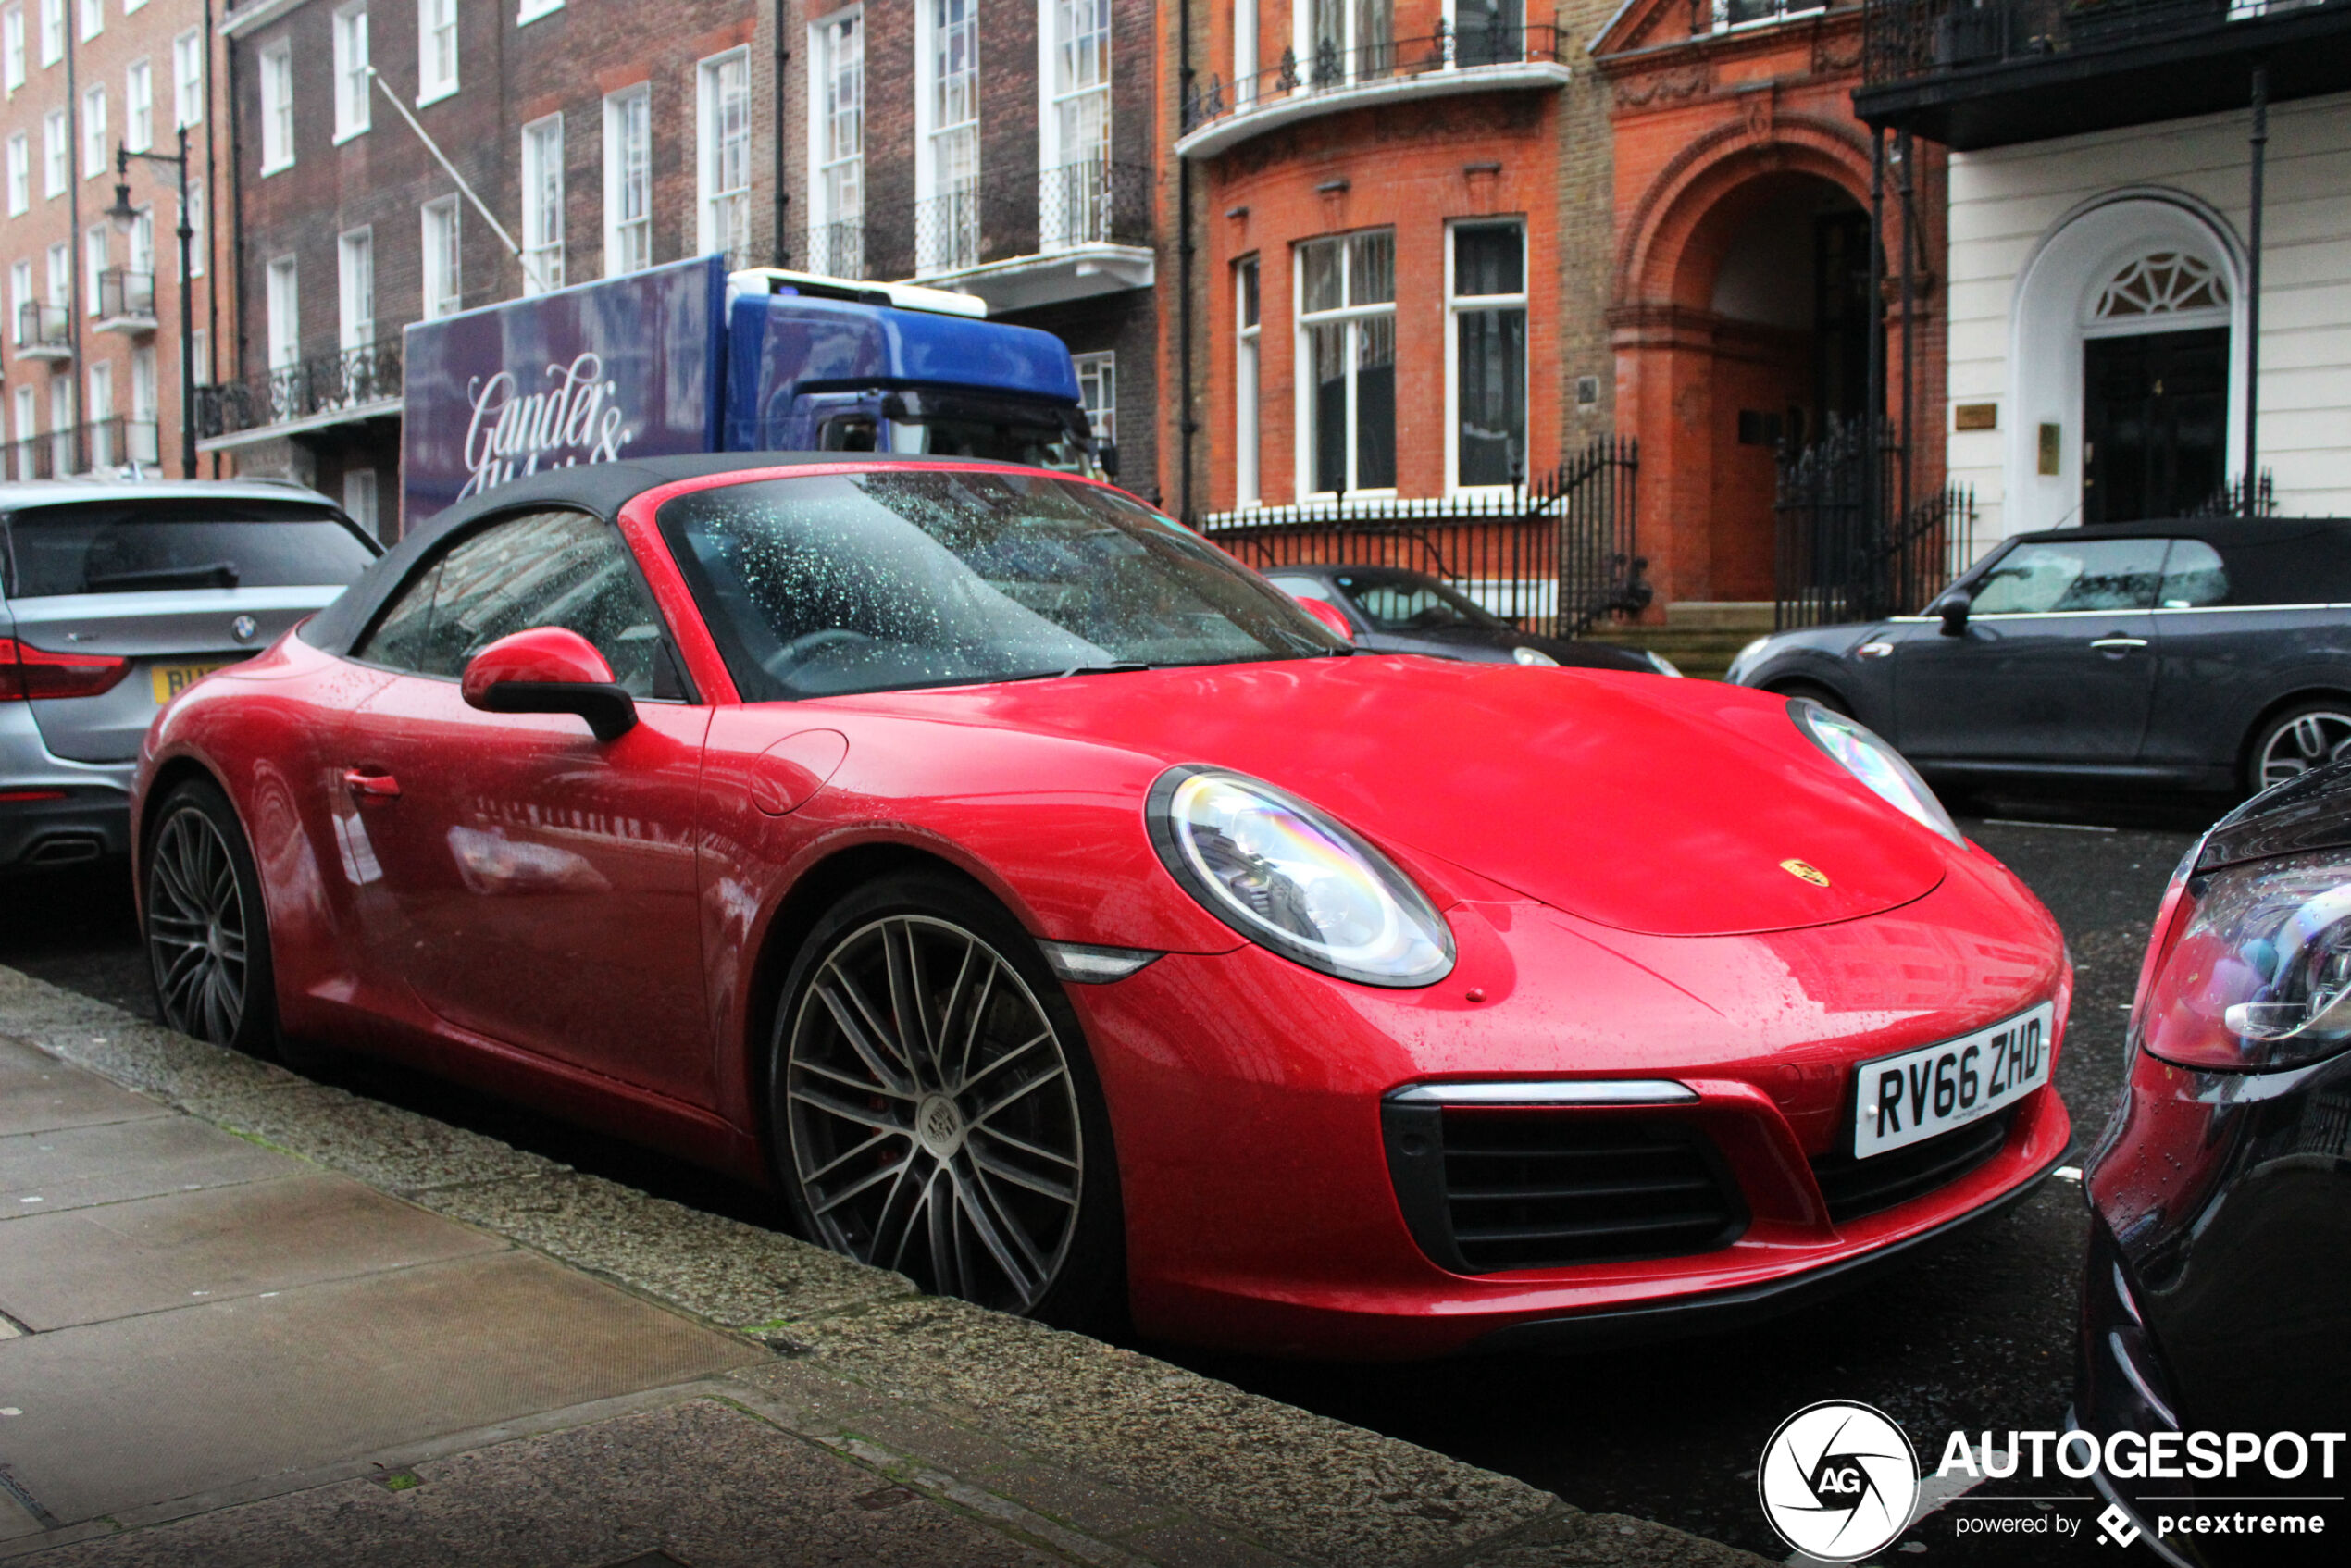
x=934, y=1122
x=196, y=929
x=2306, y=741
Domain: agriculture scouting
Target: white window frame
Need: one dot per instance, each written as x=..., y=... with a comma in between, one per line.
x=722, y=212
x=101, y=410
x=199, y=353
x=937, y=252
x=1098, y=384
x=140, y=255
x=93, y=19
x=28, y=425
x=19, y=173
x=1351, y=316
x=1352, y=41
x=542, y=252
x=629, y=161
x=1249, y=425
x=97, y=255
x=531, y=10
x=359, y=503
x=61, y=423
x=1074, y=198
x=19, y=295
x=12, y=50
x=1244, y=53
x=145, y=406
x=283, y=312
x=139, y=107
x=277, y=106
x=355, y=289
x=97, y=157
x=442, y=241
x=60, y=275
x=53, y=31
x=1456, y=306
x=436, y=23
x=196, y=216
x=188, y=86
x=351, y=72
x=1771, y=13
x=56, y=156
x=833, y=176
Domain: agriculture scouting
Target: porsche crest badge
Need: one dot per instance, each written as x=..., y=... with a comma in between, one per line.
x=1803, y=871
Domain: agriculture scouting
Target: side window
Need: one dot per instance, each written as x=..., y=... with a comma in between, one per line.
x=2193, y=575
x=546, y=568
x=2101, y=574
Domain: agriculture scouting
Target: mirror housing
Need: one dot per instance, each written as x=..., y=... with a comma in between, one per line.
x=1329, y=615
x=1953, y=607
x=550, y=670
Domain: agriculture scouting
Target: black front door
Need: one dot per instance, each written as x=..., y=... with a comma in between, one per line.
x=2155, y=421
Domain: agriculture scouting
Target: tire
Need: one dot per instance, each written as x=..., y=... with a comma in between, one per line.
x=971, y=1151
x=2303, y=736
x=205, y=928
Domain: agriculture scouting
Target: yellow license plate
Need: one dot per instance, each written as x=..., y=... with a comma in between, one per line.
x=172, y=680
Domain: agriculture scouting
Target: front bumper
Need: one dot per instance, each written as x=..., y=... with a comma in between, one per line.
x=55, y=813
x=1262, y=1211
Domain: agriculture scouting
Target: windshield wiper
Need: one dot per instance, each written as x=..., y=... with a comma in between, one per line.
x=1119, y=666
x=218, y=574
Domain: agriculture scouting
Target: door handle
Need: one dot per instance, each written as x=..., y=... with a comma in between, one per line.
x=2116, y=644
x=360, y=781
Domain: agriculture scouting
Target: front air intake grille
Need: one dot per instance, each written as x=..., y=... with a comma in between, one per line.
x=1486, y=1191
x=1855, y=1188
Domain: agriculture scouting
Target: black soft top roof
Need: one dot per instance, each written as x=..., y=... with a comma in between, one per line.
x=599, y=488
x=2219, y=530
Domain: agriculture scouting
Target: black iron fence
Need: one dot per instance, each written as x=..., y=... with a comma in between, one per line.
x=1555, y=556
x=1909, y=39
x=332, y=383
x=124, y=294
x=2240, y=497
x=111, y=443
x=1846, y=549
x=1495, y=41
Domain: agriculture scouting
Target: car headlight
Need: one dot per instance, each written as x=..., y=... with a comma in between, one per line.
x=2261, y=975
x=1875, y=764
x=1533, y=656
x=1293, y=879
x=1746, y=657
x=1660, y=663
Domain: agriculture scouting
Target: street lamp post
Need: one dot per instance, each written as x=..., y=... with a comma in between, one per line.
x=123, y=216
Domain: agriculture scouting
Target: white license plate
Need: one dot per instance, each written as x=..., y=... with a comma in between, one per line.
x=1902, y=1099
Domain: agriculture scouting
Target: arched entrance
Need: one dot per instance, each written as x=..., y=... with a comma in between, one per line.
x=2129, y=396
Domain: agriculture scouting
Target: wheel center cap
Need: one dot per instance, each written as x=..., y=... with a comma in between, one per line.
x=938, y=1123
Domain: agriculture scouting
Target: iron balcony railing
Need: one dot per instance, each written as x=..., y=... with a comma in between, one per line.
x=1094, y=201
x=1910, y=39
x=1471, y=46
x=126, y=295
x=43, y=326
x=85, y=448
x=332, y=383
x=1554, y=556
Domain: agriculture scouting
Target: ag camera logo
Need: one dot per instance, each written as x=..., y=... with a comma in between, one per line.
x=1839, y=1481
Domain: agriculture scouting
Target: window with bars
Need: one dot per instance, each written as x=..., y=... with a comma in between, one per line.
x=629, y=180
x=725, y=173
x=1488, y=302
x=1347, y=337
x=1245, y=435
x=542, y=205
x=837, y=233
x=444, y=288
x=948, y=230
x=436, y=49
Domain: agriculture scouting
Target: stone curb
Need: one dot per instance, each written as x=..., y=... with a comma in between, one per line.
x=1103, y=1454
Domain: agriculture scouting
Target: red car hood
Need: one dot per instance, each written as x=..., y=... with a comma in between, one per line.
x=1645, y=804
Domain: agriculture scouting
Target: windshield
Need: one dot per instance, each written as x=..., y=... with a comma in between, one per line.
x=878, y=581
x=146, y=546
x=1407, y=601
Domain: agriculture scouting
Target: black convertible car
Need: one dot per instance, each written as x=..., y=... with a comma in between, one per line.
x=1396, y=611
x=2216, y=1302
x=2203, y=655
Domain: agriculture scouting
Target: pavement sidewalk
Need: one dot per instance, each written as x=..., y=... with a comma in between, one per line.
x=250, y=1319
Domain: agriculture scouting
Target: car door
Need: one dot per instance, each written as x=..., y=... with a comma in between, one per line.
x=2055, y=667
x=528, y=882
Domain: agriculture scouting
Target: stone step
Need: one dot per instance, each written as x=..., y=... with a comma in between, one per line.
x=1749, y=616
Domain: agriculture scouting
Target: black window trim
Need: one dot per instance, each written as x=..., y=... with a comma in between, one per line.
x=430, y=562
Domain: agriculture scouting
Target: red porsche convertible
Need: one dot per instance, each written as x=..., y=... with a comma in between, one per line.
x=1052, y=909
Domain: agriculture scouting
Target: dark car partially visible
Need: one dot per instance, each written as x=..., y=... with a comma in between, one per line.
x=2217, y=1295
x=1391, y=610
x=2209, y=655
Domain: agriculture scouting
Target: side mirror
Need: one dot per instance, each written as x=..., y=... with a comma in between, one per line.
x=550, y=670
x=1954, y=610
x=1329, y=615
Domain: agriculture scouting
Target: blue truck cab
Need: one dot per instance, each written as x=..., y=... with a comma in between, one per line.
x=692, y=357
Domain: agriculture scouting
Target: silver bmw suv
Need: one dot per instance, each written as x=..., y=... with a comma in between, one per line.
x=117, y=597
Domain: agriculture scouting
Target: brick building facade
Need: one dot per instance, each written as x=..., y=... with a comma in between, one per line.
x=1009, y=150
x=601, y=137
x=92, y=368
